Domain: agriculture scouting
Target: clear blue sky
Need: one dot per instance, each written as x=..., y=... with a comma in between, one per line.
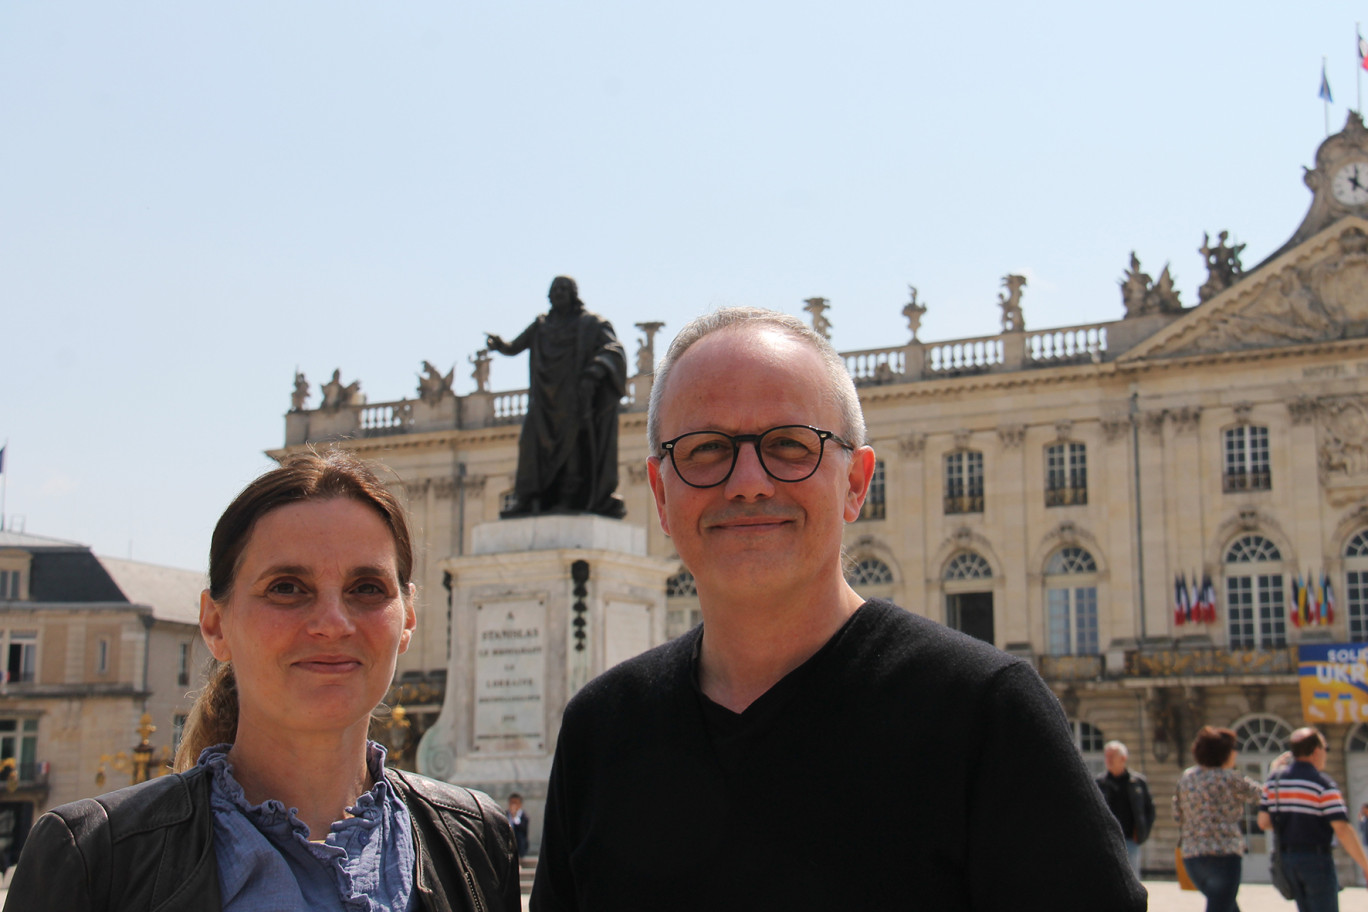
x=196, y=199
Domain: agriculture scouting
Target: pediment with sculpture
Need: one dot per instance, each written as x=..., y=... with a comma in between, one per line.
x=1315, y=292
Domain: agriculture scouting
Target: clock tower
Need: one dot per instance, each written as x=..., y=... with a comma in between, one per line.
x=1338, y=183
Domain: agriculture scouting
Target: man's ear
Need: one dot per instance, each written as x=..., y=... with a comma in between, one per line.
x=861, y=473
x=658, y=489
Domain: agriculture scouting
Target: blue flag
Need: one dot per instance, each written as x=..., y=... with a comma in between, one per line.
x=1325, y=86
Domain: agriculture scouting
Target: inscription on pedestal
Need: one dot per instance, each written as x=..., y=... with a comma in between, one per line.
x=510, y=670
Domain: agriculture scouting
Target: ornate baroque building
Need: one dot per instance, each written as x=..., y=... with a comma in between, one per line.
x=1044, y=490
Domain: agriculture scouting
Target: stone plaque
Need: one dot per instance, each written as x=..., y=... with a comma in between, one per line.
x=510, y=665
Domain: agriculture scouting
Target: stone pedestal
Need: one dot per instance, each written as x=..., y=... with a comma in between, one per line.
x=539, y=606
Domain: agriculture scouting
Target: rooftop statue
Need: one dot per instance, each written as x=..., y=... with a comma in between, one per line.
x=567, y=454
x=335, y=395
x=1223, y=265
x=300, y=396
x=1012, y=318
x=914, y=312
x=1143, y=296
x=480, y=374
x=818, y=308
x=432, y=384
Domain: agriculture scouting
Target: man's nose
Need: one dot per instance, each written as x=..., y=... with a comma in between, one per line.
x=749, y=478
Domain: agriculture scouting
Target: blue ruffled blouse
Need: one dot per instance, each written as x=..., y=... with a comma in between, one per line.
x=267, y=863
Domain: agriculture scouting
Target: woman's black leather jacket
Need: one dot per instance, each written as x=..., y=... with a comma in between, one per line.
x=150, y=848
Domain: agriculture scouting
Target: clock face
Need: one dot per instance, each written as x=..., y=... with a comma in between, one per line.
x=1350, y=184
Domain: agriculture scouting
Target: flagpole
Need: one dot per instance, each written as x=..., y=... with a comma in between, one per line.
x=1326, y=101
x=4, y=482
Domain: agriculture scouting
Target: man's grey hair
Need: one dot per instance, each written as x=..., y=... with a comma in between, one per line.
x=839, y=387
x=1117, y=746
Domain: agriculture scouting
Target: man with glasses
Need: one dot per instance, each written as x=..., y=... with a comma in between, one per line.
x=1306, y=810
x=729, y=768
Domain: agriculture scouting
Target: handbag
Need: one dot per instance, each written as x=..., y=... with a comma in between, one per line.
x=1184, y=881
x=1275, y=862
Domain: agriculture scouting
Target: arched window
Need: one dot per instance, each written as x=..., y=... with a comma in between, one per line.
x=1266, y=735
x=967, y=582
x=964, y=482
x=680, y=585
x=1066, y=474
x=1357, y=742
x=869, y=572
x=1356, y=585
x=1259, y=740
x=1071, y=602
x=1256, y=611
x=967, y=566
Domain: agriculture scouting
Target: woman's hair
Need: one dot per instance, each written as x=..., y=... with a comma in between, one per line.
x=1212, y=746
x=298, y=479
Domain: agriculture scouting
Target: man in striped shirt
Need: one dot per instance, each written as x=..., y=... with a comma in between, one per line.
x=1306, y=810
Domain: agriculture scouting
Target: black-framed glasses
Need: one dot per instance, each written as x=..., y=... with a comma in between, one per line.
x=790, y=452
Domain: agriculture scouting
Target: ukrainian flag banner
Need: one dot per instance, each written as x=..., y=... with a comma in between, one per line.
x=1334, y=681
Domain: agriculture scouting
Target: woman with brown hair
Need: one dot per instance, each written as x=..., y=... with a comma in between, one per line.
x=280, y=802
x=1209, y=804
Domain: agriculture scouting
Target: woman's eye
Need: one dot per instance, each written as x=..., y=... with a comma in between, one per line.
x=369, y=589
x=284, y=587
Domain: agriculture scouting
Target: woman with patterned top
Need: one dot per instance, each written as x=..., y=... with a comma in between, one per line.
x=1209, y=804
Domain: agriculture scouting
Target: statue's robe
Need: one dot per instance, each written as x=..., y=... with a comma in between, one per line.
x=567, y=454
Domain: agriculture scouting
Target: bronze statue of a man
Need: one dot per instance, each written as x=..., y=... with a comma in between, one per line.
x=567, y=454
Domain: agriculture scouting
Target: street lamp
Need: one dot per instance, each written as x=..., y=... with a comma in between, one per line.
x=139, y=764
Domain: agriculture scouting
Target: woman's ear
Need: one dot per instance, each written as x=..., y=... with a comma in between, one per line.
x=410, y=618
x=211, y=628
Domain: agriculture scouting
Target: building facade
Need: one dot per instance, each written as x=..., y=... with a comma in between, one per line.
x=1134, y=506
x=89, y=645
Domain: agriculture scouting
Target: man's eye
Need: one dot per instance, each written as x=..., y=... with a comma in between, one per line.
x=709, y=448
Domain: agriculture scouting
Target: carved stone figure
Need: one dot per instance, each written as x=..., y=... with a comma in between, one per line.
x=1223, y=265
x=432, y=385
x=914, y=312
x=567, y=453
x=1143, y=297
x=1134, y=288
x=1012, y=318
x=300, y=397
x=335, y=395
x=480, y=374
x=645, y=356
x=818, y=308
x=1344, y=438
